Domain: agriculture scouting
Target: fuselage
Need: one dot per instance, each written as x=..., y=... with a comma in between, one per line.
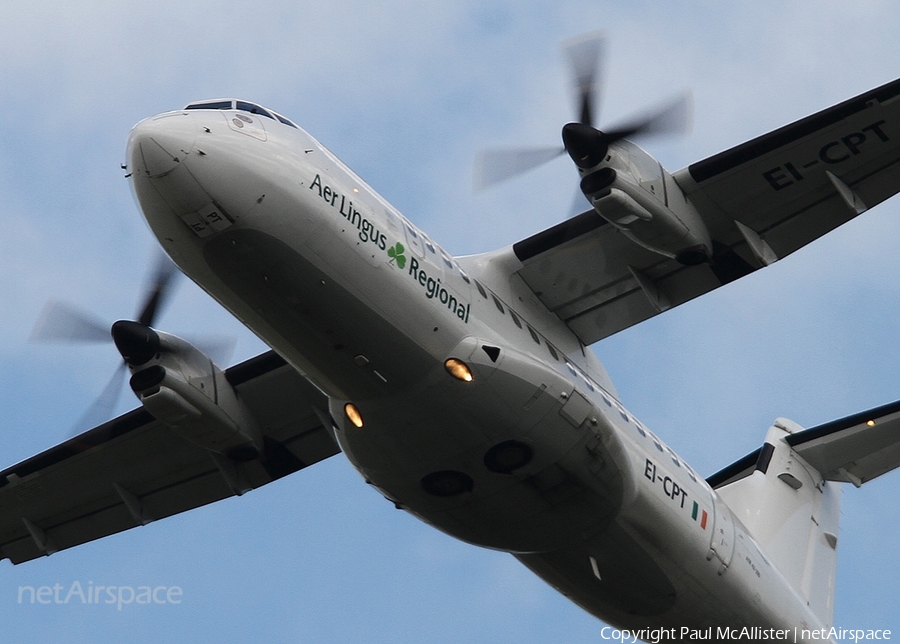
x=534, y=455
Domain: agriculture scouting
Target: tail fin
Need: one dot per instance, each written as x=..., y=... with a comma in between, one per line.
x=794, y=514
x=787, y=493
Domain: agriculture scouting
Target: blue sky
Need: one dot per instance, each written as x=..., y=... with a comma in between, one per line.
x=406, y=93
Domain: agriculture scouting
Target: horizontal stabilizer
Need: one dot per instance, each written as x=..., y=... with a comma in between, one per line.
x=855, y=449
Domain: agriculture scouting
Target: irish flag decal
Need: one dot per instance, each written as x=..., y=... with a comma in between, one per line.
x=703, y=515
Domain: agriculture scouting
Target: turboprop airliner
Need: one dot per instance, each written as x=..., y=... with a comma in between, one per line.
x=463, y=389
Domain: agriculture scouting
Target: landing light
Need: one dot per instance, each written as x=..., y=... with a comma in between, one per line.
x=354, y=415
x=870, y=423
x=458, y=369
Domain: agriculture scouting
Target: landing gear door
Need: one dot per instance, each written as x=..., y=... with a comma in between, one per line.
x=721, y=546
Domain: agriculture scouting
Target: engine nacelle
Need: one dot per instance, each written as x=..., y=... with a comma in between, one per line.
x=633, y=192
x=183, y=388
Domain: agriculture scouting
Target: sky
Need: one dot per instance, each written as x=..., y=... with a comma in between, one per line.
x=406, y=93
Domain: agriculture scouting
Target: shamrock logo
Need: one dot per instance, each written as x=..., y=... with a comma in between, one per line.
x=396, y=252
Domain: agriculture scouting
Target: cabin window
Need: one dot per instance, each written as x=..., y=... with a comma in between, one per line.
x=497, y=303
x=481, y=289
x=515, y=318
x=552, y=352
x=534, y=335
x=674, y=457
x=464, y=275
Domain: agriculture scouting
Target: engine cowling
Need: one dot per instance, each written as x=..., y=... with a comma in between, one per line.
x=182, y=387
x=633, y=192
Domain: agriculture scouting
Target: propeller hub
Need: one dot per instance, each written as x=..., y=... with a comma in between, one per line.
x=585, y=144
x=137, y=342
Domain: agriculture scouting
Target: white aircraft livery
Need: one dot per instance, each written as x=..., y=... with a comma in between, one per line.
x=462, y=388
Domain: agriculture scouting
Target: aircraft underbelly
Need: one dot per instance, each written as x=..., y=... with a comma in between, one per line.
x=360, y=353
x=566, y=488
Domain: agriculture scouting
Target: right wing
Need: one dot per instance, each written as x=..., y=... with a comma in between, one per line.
x=761, y=201
x=795, y=184
x=133, y=469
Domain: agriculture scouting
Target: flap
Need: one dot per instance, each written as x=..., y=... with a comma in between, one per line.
x=133, y=469
x=599, y=282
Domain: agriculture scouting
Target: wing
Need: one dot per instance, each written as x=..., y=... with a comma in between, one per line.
x=855, y=449
x=133, y=469
x=761, y=201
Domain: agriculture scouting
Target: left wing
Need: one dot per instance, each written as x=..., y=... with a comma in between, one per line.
x=759, y=201
x=133, y=469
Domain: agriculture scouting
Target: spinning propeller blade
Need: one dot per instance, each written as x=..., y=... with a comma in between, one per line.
x=60, y=322
x=585, y=55
x=586, y=144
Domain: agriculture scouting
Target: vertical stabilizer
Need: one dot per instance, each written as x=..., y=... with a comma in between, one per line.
x=793, y=513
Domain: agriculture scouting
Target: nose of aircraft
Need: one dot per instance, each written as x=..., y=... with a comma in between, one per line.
x=158, y=144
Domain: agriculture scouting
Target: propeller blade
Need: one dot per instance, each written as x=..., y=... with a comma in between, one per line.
x=495, y=166
x=585, y=55
x=672, y=117
x=61, y=322
x=101, y=410
x=159, y=291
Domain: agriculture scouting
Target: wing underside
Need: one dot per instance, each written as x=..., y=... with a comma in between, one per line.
x=760, y=201
x=133, y=470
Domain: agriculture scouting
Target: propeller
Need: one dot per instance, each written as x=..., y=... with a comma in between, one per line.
x=586, y=144
x=136, y=341
x=64, y=323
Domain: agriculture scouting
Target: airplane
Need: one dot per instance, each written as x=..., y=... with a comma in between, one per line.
x=463, y=388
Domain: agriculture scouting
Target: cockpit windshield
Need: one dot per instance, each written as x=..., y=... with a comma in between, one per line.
x=244, y=106
x=210, y=105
